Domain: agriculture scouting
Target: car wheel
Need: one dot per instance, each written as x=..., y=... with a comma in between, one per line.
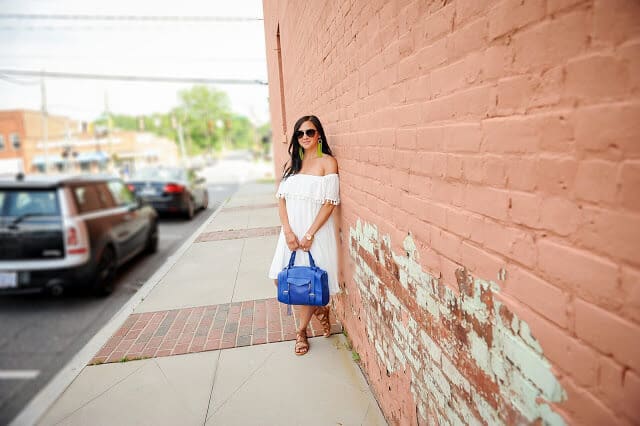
x=190, y=211
x=152, y=240
x=105, y=273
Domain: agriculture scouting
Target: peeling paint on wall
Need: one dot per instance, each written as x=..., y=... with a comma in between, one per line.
x=471, y=359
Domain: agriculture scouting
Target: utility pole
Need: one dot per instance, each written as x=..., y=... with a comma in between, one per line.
x=178, y=126
x=45, y=124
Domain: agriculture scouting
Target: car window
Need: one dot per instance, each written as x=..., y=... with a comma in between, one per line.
x=107, y=199
x=160, y=174
x=40, y=202
x=87, y=198
x=120, y=192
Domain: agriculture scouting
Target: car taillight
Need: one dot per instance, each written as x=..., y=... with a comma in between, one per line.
x=173, y=188
x=132, y=188
x=74, y=245
x=72, y=236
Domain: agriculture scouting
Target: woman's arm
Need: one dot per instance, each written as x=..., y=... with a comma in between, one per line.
x=321, y=218
x=325, y=211
x=290, y=237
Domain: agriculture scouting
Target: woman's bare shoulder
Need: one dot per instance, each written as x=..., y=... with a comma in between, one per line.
x=330, y=165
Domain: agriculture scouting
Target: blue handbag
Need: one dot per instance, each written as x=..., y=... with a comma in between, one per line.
x=303, y=285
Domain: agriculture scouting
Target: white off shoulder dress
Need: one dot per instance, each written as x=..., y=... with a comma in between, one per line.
x=305, y=195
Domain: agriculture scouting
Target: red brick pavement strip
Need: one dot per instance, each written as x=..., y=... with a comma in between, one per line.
x=255, y=206
x=237, y=234
x=205, y=328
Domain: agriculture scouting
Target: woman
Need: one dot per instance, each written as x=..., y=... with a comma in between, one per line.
x=308, y=193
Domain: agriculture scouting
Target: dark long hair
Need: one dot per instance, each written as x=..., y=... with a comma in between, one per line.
x=294, y=164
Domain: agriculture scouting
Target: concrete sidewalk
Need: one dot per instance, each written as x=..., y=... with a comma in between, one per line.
x=209, y=344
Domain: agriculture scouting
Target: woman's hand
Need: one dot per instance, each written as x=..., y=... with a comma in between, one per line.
x=292, y=240
x=305, y=243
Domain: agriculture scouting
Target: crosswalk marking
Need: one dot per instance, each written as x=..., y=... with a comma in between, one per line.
x=18, y=374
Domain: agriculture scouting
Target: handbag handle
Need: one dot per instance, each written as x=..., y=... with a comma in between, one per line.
x=293, y=258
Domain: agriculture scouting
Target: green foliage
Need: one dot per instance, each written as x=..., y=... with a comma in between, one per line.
x=207, y=121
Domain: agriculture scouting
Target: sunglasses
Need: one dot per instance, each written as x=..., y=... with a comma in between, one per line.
x=309, y=132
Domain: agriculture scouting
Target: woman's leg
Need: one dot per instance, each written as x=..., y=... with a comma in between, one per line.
x=302, y=344
x=275, y=282
x=306, y=312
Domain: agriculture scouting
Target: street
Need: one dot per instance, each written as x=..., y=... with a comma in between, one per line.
x=40, y=333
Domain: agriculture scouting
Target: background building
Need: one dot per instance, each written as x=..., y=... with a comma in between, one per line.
x=490, y=221
x=76, y=147
x=21, y=130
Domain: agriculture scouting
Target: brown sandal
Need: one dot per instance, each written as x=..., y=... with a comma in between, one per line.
x=322, y=313
x=302, y=344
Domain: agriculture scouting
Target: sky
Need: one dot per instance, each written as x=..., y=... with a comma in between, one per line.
x=170, y=49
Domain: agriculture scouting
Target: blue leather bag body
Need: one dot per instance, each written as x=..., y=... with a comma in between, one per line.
x=303, y=285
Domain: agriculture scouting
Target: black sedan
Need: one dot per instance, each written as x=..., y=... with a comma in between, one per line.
x=170, y=189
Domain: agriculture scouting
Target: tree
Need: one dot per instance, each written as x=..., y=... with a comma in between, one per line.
x=206, y=118
x=200, y=109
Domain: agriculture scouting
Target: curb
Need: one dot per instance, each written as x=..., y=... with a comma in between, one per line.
x=44, y=399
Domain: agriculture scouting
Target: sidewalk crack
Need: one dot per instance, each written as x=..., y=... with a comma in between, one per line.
x=365, y=414
x=166, y=379
x=100, y=394
x=253, y=373
x=213, y=382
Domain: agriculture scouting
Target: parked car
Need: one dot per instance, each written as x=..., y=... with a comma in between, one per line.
x=170, y=189
x=61, y=231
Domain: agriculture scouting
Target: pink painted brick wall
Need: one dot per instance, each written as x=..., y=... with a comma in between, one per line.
x=504, y=137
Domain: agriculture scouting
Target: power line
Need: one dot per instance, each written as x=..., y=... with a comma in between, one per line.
x=17, y=81
x=145, y=18
x=156, y=79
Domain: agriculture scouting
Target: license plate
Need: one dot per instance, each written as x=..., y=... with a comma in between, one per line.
x=148, y=191
x=8, y=279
